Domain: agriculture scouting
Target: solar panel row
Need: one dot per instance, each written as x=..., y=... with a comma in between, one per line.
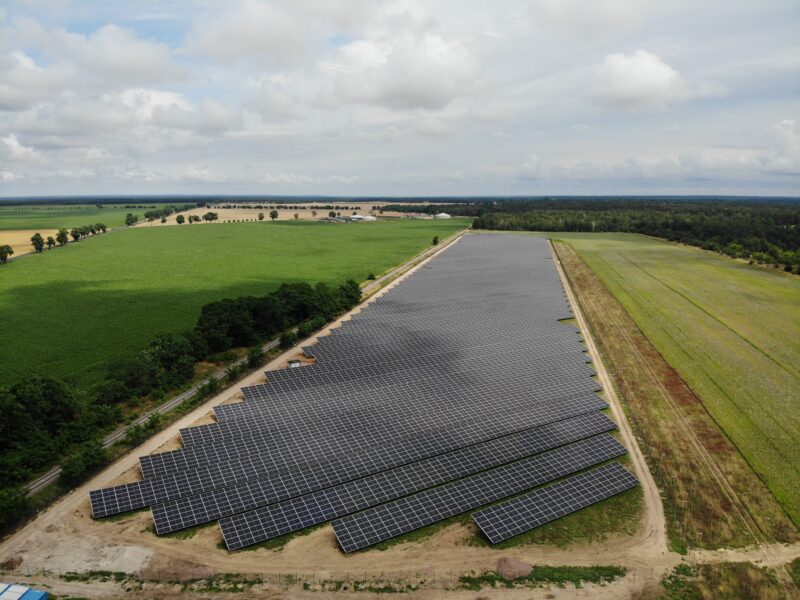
x=412, y=512
x=304, y=511
x=461, y=380
x=516, y=516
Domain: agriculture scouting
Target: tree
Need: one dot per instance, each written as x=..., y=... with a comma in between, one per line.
x=273, y=214
x=5, y=252
x=101, y=227
x=435, y=240
x=13, y=506
x=62, y=237
x=89, y=457
x=210, y=216
x=163, y=219
x=38, y=242
x=296, y=215
x=261, y=216
x=255, y=357
x=180, y=219
x=50, y=242
x=314, y=214
x=131, y=219
x=332, y=214
x=75, y=234
x=287, y=340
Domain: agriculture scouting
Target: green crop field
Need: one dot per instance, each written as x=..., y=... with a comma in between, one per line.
x=732, y=331
x=66, y=216
x=70, y=311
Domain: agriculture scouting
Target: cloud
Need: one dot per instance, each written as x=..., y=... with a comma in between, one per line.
x=14, y=150
x=596, y=18
x=107, y=57
x=784, y=155
x=641, y=80
x=250, y=31
x=23, y=82
x=404, y=71
x=273, y=101
x=434, y=127
x=210, y=117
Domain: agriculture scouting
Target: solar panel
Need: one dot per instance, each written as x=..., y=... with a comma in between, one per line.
x=465, y=352
x=248, y=466
x=386, y=521
x=310, y=509
x=507, y=519
x=272, y=486
x=467, y=397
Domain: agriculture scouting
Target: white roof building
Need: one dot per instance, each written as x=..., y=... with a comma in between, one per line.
x=441, y=216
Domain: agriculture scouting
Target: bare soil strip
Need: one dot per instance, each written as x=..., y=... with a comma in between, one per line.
x=711, y=496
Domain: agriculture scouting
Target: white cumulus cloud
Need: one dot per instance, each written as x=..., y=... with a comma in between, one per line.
x=404, y=71
x=642, y=79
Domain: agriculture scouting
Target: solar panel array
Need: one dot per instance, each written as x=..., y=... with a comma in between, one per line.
x=455, y=389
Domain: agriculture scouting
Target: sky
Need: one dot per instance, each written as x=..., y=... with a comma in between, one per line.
x=406, y=97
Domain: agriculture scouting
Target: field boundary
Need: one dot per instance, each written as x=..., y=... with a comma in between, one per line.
x=654, y=519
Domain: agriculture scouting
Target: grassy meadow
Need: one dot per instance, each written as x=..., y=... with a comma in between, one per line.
x=732, y=332
x=66, y=216
x=69, y=312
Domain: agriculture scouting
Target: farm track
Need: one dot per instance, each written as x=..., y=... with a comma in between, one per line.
x=708, y=462
x=654, y=521
x=685, y=447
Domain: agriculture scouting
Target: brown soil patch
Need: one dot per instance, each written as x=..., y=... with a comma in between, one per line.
x=711, y=496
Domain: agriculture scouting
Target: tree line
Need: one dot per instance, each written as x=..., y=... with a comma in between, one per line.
x=42, y=419
x=762, y=230
x=758, y=231
x=61, y=238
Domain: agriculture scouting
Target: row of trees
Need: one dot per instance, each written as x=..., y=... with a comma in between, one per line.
x=164, y=212
x=42, y=420
x=38, y=241
x=286, y=206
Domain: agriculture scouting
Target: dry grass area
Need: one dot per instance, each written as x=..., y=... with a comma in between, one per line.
x=711, y=496
x=20, y=239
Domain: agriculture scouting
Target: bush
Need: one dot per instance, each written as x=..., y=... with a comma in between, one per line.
x=288, y=339
x=371, y=276
x=13, y=507
x=90, y=456
x=255, y=357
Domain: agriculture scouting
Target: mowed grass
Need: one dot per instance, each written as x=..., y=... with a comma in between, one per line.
x=70, y=313
x=730, y=330
x=66, y=216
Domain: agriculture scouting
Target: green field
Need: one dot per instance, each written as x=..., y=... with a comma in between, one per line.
x=70, y=311
x=731, y=330
x=66, y=216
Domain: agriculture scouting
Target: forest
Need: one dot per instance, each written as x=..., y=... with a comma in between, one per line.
x=761, y=231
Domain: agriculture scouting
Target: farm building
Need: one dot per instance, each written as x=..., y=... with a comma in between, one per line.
x=441, y=216
x=20, y=592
